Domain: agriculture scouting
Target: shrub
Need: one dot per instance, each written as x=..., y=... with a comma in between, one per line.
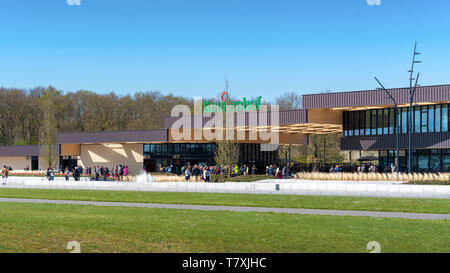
x=431, y=182
x=162, y=174
x=240, y=178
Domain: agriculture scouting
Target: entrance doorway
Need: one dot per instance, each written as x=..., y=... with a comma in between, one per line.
x=68, y=162
x=34, y=163
x=149, y=165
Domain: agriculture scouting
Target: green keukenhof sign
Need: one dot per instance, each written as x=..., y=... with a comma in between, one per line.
x=231, y=105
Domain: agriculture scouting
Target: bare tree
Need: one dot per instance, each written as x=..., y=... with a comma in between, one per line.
x=289, y=101
x=48, y=129
x=227, y=152
x=326, y=147
x=227, y=155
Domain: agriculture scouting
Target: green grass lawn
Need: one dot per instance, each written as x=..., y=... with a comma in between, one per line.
x=255, y=200
x=49, y=227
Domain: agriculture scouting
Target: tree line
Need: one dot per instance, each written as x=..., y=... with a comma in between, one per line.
x=27, y=116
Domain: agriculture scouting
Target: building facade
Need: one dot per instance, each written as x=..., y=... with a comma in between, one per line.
x=366, y=120
x=369, y=123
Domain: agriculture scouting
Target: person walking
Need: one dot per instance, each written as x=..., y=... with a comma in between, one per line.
x=51, y=174
x=67, y=173
x=207, y=175
x=196, y=172
x=120, y=172
x=277, y=172
x=106, y=170
x=5, y=173
x=76, y=174
x=96, y=173
x=187, y=174
x=114, y=172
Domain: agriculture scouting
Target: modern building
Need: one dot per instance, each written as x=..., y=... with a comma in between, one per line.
x=369, y=122
x=366, y=120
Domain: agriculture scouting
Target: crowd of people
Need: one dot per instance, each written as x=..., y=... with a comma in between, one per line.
x=116, y=172
x=361, y=168
x=96, y=173
x=201, y=172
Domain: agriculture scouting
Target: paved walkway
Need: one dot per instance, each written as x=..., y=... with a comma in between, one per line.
x=423, y=216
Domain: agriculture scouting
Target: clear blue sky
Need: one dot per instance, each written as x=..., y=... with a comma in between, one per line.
x=186, y=47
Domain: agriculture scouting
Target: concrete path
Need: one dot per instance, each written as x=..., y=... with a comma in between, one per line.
x=422, y=216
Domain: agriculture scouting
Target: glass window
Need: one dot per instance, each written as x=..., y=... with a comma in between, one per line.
x=445, y=114
x=350, y=123
x=211, y=148
x=424, y=119
x=430, y=118
x=373, y=122
x=345, y=126
x=367, y=113
x=391, y=121
x=417, y=119
x=404, y=126
x=356, y=123
x=437, y=118
x=188, y=148
x=386, y=121
x=435, y=160
x=446, y=160
x=362, y=119
x=423, y=162
x=380, y=122
x=182, y=148
x=197, y=149
x=414, y=160
x=159, y=149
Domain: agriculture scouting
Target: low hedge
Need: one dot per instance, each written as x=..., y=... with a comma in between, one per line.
x=223, y=178
x=162, y=174
x=240, y=178
x=429, y=182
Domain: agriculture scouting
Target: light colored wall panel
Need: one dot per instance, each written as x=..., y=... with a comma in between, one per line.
x=327, y=116
x=111, y=154
x=16, y=162
x=70, y=149
x=293, y=139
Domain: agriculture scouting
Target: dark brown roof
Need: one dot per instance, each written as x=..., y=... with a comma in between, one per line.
x=25, y=150
x=246, y=119
x=113, y=136
x=435, y=93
